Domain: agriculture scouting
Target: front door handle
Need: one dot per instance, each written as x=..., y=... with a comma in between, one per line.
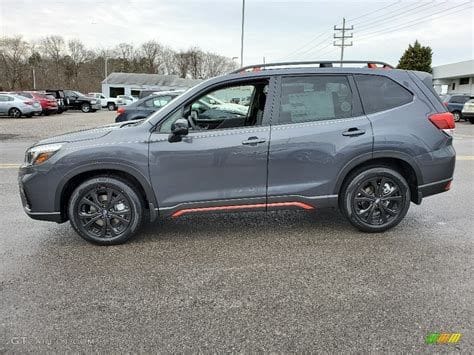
x=254, y=141
x=353, y=132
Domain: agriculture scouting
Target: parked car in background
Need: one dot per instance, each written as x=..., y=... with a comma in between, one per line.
x=111, y=103
x=455, y=104
x=468, y=111
x=17, y=106
x=59, y=95
x=146, y=106
x=48, y=103
x=78, y=101
x=127, y=99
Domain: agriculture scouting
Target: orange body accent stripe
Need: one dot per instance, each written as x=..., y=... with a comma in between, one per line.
x=242, y=207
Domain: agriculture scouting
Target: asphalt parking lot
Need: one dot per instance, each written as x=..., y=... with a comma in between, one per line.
x=282, y=282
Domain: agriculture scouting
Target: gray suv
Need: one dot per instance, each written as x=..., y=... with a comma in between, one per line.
x=368, y=140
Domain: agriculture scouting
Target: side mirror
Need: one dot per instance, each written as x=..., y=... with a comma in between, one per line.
x=179, y=129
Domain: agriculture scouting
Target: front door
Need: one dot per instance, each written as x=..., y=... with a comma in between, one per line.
x=318, y=130
x=221, y=164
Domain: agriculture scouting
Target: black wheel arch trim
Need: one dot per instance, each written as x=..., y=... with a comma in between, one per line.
x=361, y=159
x=125, y=168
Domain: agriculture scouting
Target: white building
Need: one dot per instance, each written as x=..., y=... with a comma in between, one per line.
x=455, y=78
x=132, y=83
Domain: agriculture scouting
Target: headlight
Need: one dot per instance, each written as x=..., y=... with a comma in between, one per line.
x=39, y=154
x=93, y=102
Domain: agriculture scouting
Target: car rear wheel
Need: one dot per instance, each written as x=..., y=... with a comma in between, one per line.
x=85, y=107
x=457, y=116
x=14, y=113
x=375, y=199
x=111, y=106
x=105, y=211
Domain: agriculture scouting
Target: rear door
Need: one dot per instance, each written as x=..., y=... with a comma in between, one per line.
x=318, y=128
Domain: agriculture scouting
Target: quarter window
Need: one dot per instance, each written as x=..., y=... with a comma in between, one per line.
x=314, y=98
x=379, y=93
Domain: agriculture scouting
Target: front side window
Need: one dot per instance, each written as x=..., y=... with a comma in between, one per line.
x=379, y=93
x=217, y=109
x=314, y=98
x=157, y=102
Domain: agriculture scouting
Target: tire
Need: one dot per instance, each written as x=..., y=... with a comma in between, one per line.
x=111, y=106
x=14, y=112
x=457, y=116
x=29, y=116
x=369, y=208
x=471, y=119
x=85, y=107
x=97, y=221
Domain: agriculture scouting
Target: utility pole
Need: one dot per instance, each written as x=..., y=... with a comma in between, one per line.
x=343, y=37
x=34, y=78
x=242, y=36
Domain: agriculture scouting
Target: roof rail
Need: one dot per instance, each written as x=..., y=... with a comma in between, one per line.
x=322, y=64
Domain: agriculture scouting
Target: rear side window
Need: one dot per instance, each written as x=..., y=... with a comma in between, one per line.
x=314, y=98
x=379, y=93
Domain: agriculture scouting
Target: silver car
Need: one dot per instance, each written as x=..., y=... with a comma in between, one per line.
x=16, y=106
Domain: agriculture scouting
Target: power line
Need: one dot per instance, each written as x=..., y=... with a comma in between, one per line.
x=375, y=23
x=373, y=12
x=416, y=21
x=325, y=33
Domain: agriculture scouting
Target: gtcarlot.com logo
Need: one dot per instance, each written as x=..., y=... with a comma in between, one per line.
x=443, y=338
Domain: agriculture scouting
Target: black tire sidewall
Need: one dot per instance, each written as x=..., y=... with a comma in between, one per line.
x=111, y=107
x=458, y=115
x=10, y=113
x=85, y=108
x=126, y=189
x=354, y=182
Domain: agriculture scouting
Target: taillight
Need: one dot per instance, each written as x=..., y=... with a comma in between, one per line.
x=121, y=110
x=444, y=121
x=28, y=102
x=445, y=104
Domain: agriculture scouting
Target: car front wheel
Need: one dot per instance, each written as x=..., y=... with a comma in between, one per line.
x=375, y=199
x=105, y=211
x=111, y=106
x=86, y=108
x=457, y=116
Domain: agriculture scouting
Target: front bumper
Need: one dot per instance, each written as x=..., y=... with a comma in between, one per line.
x=36, y=205
x=467, y=114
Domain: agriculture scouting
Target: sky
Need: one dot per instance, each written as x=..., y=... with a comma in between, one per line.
x=276, y=30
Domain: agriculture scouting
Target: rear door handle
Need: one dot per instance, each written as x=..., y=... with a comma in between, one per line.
x=254, y=141
x=353, y=132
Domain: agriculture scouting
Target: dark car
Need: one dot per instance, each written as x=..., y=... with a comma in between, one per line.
x=368, y=141
x=146, y=106
x=75, y=100
x=59, y=95
x=455, y=103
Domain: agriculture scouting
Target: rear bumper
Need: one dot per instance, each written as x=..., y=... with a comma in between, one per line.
x=434, y=188
x=467, y=114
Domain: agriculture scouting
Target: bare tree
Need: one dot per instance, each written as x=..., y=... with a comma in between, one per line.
x=13, y=59
x=150, y=53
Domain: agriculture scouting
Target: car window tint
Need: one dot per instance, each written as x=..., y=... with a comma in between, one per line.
x=3, y=98
x=161, y=101
x=379, y=93
x=314, y=98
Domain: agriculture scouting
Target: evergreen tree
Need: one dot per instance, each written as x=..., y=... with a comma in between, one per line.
x=416, y=57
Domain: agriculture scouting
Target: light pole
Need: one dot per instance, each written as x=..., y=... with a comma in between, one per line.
x=242, y=35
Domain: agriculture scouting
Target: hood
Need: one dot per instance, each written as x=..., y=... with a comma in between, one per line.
x=82, y=135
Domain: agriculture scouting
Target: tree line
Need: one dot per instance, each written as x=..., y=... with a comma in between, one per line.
x=53, y=62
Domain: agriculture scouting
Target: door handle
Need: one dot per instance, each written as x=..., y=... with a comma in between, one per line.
x=254, y=141
x=353, y=132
